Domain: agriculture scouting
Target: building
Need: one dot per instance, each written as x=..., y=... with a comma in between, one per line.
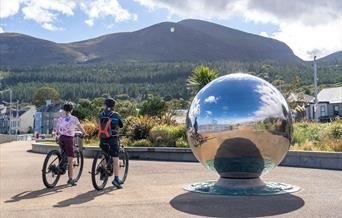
x=16, y=121
x=299, y=98
x=46, y=118
x=329, y=105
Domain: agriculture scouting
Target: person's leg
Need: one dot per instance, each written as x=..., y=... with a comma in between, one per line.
x=69, y=149
x=105, y=149
x=115, y=155
x=70, y=167
x=116, y=166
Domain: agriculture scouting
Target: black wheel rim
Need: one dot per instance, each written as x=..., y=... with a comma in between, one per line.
x=51, y=170
x=123, y=163
x=99, y=175
x=77, y=164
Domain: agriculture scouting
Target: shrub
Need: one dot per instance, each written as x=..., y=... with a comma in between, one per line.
x=154, y=106
x=141, y=143
x=317, y=136
x=90, y=126
x=126, y=108
x=181, y=143
x=139, y=127
x=168, y=119
x=166, y=136
x=125, y=141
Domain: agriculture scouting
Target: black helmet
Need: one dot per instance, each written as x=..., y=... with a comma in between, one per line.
x=68, y=106
x=109, y=102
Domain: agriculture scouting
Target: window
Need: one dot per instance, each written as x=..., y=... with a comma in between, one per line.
x=323, y=114
x=336, y=110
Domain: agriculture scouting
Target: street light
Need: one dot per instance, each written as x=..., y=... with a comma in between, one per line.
x=315, y=88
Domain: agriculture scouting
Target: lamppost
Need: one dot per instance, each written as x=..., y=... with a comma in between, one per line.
x=10, y=108
x=315, y=87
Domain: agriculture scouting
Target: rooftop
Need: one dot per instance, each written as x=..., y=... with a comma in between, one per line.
x=49, y=108
x=294, y=97
x=331, y=95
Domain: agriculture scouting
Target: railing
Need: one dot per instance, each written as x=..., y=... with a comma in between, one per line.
x=10, y=138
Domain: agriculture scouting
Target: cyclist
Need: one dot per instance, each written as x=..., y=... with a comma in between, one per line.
x=66, y=128
x=109, y=124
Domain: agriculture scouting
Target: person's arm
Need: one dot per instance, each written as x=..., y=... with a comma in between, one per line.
x=80, y=127
x=120, y=122
x=58, y=133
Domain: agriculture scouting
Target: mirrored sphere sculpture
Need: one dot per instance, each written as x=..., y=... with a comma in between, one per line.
x=239, y=126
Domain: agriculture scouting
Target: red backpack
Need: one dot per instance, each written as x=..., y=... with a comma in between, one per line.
x=105, y=127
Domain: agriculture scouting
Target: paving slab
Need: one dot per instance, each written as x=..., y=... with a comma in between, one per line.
x=155, y=189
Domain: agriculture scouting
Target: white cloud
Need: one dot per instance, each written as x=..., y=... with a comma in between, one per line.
x=195, y=108
x=308, y=41
x=309, y=27
x=49, y=26
x=89, y=22
x=271, y=102
x=211, y=99
x=101, y=8
x=208, y=114
x=1, y=30
x=46, y=12
x=264, y=34
x=9, y=7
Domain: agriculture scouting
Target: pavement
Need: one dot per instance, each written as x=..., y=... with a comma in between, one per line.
x=155, y=189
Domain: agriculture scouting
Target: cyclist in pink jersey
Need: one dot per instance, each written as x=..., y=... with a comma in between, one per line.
x=66, y=128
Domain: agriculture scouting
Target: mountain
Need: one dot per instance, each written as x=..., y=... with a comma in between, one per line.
x=332, y=59
x=187, y=40
x=18, y=50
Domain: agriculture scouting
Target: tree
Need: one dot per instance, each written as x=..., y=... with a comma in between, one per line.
x=85, y=110
x=200, y=77
x=45, y=93
x=126, y=108
x=98, y=102
x=154, y=106
x=176, y=104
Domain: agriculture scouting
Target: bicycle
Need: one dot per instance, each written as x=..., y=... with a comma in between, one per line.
x=102, y=167
x=56, y=163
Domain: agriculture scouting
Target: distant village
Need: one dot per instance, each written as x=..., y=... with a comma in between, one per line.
x=42, y=120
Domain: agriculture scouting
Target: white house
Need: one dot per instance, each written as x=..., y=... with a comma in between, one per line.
x=18, y=121
x=26, y=120
x=329, y=105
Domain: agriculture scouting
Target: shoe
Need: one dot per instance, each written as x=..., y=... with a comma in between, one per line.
x=71, y=182
x=117, y=184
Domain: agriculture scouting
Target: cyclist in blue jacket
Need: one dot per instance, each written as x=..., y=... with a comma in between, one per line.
x=110, y=144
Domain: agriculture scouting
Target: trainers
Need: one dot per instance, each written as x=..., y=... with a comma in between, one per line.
x=71, y=182
x=117, y=184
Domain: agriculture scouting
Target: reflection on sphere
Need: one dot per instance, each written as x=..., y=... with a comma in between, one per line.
x=239, y=126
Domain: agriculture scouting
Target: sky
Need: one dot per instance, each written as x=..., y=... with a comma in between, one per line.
x=309, y=27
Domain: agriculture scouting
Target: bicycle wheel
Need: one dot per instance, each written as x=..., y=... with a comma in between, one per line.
x=50, y=171
x=123, y=163
x=98, y=170
x=77, y=164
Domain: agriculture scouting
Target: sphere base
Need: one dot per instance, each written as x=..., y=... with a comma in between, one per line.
x=229, y=183
x=241, y=187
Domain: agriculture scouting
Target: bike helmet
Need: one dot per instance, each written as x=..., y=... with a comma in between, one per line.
x=68, y=106
x=109, y=102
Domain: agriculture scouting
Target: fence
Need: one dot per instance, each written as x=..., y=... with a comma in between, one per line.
x=10, y=138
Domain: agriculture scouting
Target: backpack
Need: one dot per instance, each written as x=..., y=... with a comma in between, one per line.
x=105, y=127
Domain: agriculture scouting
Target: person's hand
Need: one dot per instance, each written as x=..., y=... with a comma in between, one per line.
x=57, y=138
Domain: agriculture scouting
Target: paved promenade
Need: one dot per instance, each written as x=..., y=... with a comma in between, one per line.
x=154, y=189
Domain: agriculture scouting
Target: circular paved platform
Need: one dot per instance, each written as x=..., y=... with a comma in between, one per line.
x=155, y=189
